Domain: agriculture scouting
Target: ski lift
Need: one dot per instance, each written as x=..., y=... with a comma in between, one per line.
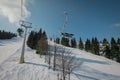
x=25, y=24
x=67, y=34
x=63, y=33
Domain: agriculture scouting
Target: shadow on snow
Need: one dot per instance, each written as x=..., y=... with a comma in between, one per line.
x=31, y=63
x=90, y=60
x=87, y=73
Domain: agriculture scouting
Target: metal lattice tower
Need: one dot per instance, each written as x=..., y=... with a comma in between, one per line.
x=26, y=25
x=63, y=33
x=65, y=23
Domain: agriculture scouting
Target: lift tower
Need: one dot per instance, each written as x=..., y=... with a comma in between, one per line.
x=26, y=25
x=63, y=33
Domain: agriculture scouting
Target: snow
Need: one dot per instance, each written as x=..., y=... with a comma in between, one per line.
x=8, y=48
x=93, y=68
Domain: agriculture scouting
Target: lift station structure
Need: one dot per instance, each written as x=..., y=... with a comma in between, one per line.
x=63, y=33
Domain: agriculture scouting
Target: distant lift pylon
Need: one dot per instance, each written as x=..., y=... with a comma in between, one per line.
x=63, y=33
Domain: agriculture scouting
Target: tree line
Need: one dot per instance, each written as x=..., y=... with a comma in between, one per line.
x=108, y=49
x=66, y=42
x=105, y=48
x=6, y=34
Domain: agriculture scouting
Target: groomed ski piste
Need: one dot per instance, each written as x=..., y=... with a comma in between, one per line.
x=93, y=68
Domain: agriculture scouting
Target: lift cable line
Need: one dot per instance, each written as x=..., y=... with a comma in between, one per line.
x=26, y=25
x=21, y=8
x=63, y=33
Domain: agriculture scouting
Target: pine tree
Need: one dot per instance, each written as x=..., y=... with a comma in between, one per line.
x=92, y=45
x=62, y=41
x=118, y=41
x=41, y=43
x=20, y=31
x=42, y=46
x=87, y=45
x=113, y=48
x=107, y=52
x=95, y=46
x=105, y=42
x=30, y=40
x=73, y=43
x=81, y=45
x=115, y=53
x=44, y=35
x=39, y=35
x=113, y=42
x=118, y=55
x=65, y=41
x=57, y=40
x=35, y=40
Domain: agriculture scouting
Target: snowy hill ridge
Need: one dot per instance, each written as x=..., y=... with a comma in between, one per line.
x=93, y=68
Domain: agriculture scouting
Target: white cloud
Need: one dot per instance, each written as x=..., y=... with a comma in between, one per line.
x=11, y=9
x=117, y=25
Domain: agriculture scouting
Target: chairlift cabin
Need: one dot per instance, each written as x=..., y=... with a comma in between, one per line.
x=67, y=35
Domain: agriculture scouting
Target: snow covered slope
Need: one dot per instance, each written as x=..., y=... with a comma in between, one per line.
x=93, y=67
x=9, y=47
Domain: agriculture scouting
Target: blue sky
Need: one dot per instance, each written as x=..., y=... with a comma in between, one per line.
x=86, y=18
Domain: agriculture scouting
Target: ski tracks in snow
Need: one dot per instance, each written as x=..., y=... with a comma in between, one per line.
x=34, y=67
